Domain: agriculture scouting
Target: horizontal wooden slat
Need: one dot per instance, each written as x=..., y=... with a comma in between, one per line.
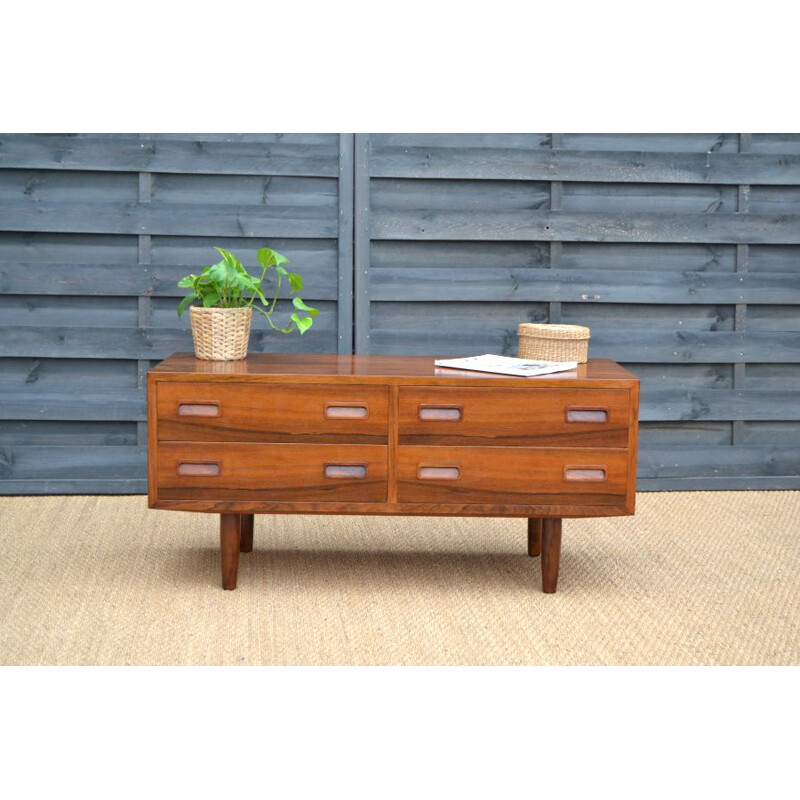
x=512, y=198
x=522, y=141
x=773, y=376
x=116, y=250
x=91, y=311
x=606, y=256
x=723, y=484
x=261, y=138
x=136, y=279
x=717, y=404
x=169, y=219
x=246, y=190
x=773, y=317
x=705, y=143
x=774, y=200
x=648, y=347
x=712, y=347
x=713, y=462
x=655, y=257
x=685, y=376
x=38, y=186
x=46, y=486
x=558, y=226
x=289, y=138
x=779, y=432
x=498, y=163
x=619, y=286
x=708, y=434
x=199, y=155
x=783, y=143
x=66, y=433
x=669, y=317
x=143, y=343
x=62, y=375
x=78, y=404
x=69, y=310
x=661, y=198
x=68, y=463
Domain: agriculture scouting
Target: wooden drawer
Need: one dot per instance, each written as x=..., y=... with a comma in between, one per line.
x=514, y=417
x=511, y=475
x=271, y=472
x=272, y=413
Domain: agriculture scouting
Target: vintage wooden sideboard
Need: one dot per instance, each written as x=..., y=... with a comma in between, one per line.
x=313, y=434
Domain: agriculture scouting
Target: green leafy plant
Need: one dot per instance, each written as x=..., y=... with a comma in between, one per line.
x=228, y=284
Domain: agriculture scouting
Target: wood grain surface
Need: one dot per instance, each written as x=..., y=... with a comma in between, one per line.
x=251, y=412
x=514, y=417
x=511, y=475
x=272, y=472
x=383, y=370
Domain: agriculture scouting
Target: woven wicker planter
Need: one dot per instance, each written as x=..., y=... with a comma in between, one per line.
x=220, y=334
x=553, y=342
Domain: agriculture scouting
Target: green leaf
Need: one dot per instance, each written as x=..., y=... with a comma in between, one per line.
x=296, y=281
x=270, y=258
x=221, y=274
x=187, y=282
x=230, y=259
x=301, y=306
x=281, y=271
x=183, y=305
x=303, y=323
x=210, y=299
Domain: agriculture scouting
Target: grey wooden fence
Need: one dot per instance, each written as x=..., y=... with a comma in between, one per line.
x=681, y=252
x=95, y=231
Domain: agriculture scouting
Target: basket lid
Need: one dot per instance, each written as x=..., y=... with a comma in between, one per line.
x=553, y=331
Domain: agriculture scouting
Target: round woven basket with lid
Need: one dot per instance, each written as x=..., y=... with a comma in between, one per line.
x=221, y=334
x=541, y=342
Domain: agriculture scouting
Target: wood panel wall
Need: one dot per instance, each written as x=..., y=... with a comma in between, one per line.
x=95, y=231
x=681, y=252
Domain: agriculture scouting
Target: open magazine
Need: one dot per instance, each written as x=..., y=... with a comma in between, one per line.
x=504, y=365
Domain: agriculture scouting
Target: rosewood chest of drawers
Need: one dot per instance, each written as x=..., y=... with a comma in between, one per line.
x=306, y=434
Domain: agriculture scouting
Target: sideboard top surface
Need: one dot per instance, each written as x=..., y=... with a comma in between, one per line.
x=291, y=368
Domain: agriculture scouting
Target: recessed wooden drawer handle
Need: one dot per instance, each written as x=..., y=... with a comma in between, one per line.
x=584, y=474
x=346, y=412
x=198, y=410
x=345, y=470
x=441, y=413
x=587, y=415
x=439, y=473
x=204, y=469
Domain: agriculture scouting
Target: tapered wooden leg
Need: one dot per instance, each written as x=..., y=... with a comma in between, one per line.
x=551, y=554
x=246, y=533
x=229, y=548
x=534, y=536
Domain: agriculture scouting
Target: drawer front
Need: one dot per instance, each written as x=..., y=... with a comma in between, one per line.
x=265, y=413
x=271, y=472
x=511, y=475
x=514, y=417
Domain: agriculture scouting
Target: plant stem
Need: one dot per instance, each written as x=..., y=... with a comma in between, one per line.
x=277, y=292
